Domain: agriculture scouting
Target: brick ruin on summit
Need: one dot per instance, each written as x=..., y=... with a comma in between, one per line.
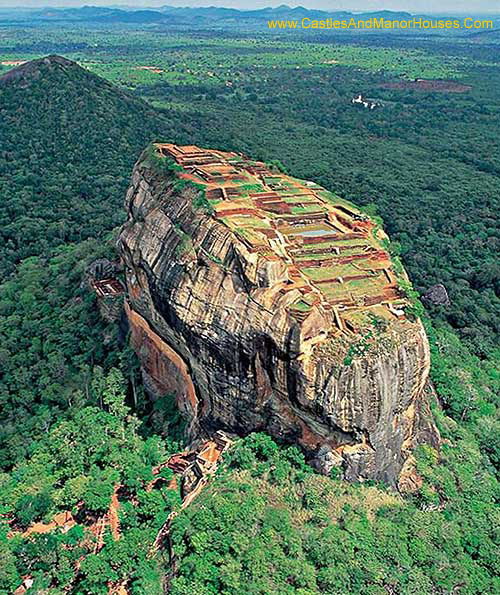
x=333, y=252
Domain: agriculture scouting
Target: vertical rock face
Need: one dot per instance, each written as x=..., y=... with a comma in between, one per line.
x=265, y=303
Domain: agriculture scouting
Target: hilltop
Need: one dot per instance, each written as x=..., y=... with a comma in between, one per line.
x=265, y=302
x=28, y=72
x=69, y=139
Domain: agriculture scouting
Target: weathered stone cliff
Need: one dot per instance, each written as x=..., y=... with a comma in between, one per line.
x=241, y=307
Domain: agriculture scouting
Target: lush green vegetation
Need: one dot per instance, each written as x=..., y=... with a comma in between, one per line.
x=69, y=140
x=51, y=339
x=68, y=436
x=428, y=163
x=185, y=60
x=76, y=467
x=269, y=524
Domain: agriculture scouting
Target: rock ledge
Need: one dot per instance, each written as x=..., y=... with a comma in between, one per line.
x=267, y=303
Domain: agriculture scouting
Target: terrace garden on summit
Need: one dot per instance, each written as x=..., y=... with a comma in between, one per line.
x=334, y=253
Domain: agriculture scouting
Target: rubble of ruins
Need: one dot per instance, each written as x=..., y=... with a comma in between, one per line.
x=192, y=470
x=334, y=253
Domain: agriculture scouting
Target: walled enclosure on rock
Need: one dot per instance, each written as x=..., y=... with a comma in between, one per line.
x=267, y=303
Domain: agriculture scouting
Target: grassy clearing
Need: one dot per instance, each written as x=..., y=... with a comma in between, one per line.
x=314, y=256
x=302, y=199
x=301, y=306
x=314, y=208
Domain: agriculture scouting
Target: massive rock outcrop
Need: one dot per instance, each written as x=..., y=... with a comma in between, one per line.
x=267, y=303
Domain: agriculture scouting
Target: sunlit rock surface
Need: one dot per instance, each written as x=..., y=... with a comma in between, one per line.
x=269, y=304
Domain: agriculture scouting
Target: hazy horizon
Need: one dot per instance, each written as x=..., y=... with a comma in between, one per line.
x=414, y=6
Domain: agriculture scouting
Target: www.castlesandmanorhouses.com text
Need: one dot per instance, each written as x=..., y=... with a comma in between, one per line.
x=381, y=23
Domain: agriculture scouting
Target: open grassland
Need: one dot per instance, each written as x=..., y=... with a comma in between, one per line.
x=133, y=58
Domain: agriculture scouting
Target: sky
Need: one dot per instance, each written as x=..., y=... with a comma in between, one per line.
x=419, y=6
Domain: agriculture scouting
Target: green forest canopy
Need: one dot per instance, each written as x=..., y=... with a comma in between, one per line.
x=429, y=165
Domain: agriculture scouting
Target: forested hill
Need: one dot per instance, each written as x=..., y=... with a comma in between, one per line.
x=69, y=140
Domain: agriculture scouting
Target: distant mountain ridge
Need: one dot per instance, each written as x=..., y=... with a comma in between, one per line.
x=200, y=17
x=223, y=18
x=96, y=13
